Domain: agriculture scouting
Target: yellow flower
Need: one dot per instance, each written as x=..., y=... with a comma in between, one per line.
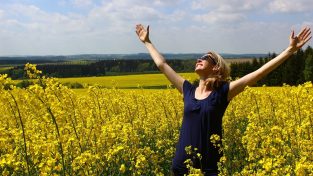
x=266, y=131
x=122, y=168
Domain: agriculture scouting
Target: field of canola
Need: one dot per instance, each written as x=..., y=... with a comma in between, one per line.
x=47, y=129
x=127, y=81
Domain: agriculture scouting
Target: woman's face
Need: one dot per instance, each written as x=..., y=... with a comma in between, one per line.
x=204, y=65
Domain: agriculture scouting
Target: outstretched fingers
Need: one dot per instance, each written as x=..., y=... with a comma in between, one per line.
x=307, y=35
x=143, y=33
x=138, y=28
x=303, y=33
x=306, y=40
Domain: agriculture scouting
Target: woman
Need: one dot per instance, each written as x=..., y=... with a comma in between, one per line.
x=204, y=106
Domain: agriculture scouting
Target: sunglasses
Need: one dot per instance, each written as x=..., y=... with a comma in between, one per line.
x=208, y=57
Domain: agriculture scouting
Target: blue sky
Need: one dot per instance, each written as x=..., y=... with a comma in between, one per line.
x=64, y=27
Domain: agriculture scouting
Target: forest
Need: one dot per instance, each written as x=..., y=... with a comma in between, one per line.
x=296, y=70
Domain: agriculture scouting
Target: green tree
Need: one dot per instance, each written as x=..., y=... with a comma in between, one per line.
x=308, y=69
x=142, y=67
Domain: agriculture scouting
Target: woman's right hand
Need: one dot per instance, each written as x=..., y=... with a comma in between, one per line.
x=143, y=33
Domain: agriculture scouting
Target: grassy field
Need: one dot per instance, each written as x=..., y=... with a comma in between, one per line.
x=5, y=67
x=127, y=81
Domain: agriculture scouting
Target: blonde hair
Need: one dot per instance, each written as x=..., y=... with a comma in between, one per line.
x=221, y=75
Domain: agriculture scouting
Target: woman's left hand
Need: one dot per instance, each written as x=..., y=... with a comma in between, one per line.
x=296, y=42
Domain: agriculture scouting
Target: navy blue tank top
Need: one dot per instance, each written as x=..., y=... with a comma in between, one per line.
x=202, y=118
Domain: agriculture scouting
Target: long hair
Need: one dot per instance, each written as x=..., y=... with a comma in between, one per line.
x=221, y=75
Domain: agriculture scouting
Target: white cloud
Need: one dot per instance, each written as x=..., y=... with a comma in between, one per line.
x=29, y=11
x=117, y=11
x=76, y=3
x=167, y=2
x=291, y=6
x=121, y=16
x=224, y=11
x=32, y=18
x=176, y=26
x=82, y=3
x=177, y=15
x=28, y=29
x=219, y=18
x=1, y=14
x=227, y=5
x=103, y=29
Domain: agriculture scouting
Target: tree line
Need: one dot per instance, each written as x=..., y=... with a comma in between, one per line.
x=296, y=70
x=101, y=68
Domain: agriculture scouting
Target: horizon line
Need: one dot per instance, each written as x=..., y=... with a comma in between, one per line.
x=68, y=55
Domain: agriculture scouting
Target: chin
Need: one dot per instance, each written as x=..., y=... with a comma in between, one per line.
x=201, y=71
x=198, y=70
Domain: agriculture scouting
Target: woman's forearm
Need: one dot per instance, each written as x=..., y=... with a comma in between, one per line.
x=252, y=78
x=274, y=63
x=155, y=54
x=160, y=62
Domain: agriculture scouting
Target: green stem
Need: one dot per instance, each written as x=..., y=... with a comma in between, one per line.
x=59, y=142
x=23, y=130
x=58, y=132
x=73, y=125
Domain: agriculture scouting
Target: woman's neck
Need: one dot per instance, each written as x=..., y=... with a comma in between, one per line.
x=202, y=85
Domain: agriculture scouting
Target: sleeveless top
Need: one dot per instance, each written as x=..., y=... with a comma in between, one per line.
x=202, y=118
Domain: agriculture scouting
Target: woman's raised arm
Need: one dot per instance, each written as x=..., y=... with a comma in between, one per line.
x=158, y=59
x=296, y=42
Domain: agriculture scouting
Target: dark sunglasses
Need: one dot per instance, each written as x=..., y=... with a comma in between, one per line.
x=208, y=57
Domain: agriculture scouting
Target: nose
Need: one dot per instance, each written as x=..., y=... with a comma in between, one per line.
x=199, y=60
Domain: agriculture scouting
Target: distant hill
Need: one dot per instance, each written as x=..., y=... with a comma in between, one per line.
x=121, y=56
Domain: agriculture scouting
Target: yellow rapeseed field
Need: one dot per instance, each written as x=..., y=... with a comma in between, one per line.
x=47, y=129
x=126, y=81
